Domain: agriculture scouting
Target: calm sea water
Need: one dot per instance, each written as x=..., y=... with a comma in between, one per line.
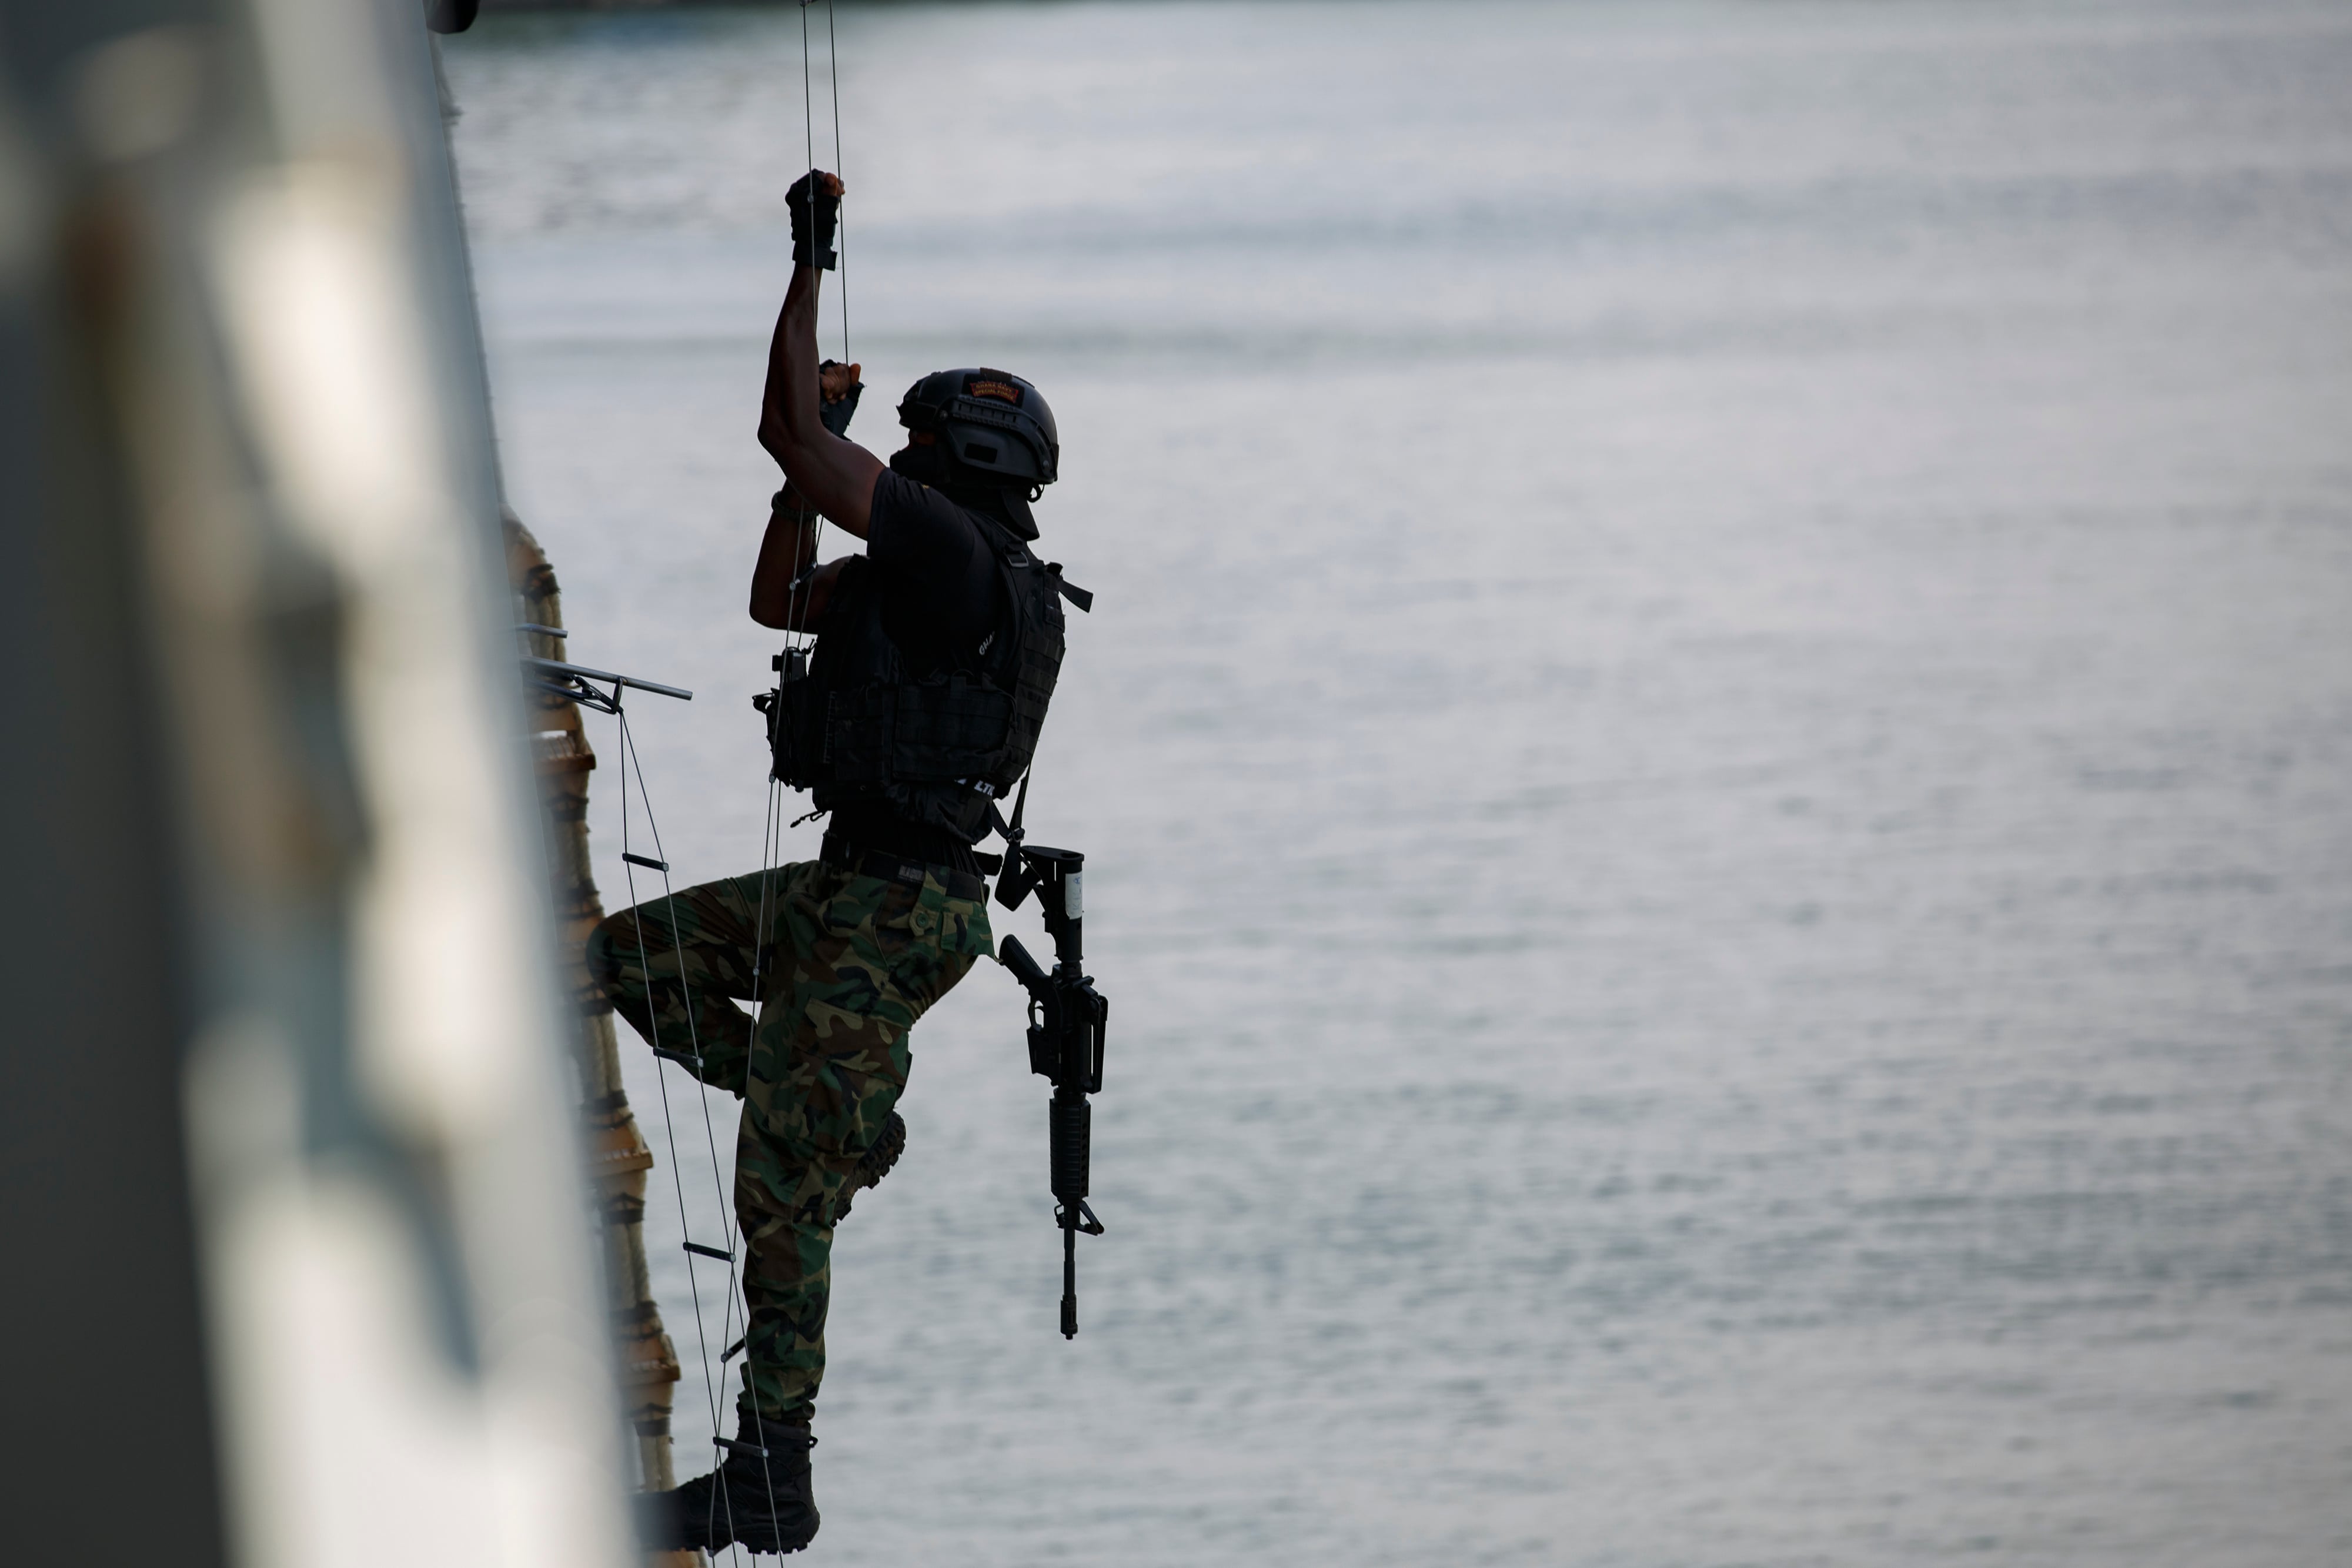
x=1714, y=752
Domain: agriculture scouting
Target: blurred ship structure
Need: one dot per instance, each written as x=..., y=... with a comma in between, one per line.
x=618, y=1159
x=303, y=1276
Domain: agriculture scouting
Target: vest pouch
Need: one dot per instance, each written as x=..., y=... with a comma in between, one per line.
x=795, y=731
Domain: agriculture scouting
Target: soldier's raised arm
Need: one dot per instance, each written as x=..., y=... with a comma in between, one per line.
x=836, y=476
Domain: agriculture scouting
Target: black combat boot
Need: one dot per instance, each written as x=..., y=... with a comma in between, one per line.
x=759, y=1501
x=873, y=1165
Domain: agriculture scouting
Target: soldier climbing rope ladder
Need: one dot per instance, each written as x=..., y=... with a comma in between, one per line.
x=917, y=708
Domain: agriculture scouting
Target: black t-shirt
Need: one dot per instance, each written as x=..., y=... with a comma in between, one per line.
x=934, y=565
x=935, y=568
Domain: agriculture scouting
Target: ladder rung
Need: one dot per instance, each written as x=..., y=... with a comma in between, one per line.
x=730, y=1352
x=710, y=1251
x=749, y=1450
x=646, y=861
x=685, y=1059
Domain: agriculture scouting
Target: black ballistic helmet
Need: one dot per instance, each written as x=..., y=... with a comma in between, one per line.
x=991, y=422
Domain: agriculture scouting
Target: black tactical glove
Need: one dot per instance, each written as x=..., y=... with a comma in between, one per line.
x=812, y=232
x=833, y=413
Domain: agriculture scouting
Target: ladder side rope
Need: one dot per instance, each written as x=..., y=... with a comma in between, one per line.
x=840, y=220
x=795, y=637
x=728, y=1320
x=693, y=1044
x=670, y=1129
x=772, y=839
x=771, y=847
x=795, y=627
x=804, y=595
x=805, y=591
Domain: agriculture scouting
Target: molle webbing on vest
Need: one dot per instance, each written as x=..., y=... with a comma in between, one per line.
x=928, y=732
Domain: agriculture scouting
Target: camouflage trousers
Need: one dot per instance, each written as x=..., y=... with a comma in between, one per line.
x=844, y=965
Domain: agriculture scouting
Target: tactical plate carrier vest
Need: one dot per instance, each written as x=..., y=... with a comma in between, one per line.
x=938, y=744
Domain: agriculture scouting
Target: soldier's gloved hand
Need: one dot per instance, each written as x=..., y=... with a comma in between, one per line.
x=813, y=230
x=838, y=392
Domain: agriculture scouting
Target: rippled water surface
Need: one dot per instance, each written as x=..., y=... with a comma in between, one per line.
x=1713, y=751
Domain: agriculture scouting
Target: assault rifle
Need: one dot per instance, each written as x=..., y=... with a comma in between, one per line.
x=1066, y=1018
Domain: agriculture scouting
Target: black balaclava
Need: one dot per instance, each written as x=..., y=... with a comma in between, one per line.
x=1008, y=505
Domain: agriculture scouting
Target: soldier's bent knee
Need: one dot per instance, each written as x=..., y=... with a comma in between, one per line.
x=602, y=954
